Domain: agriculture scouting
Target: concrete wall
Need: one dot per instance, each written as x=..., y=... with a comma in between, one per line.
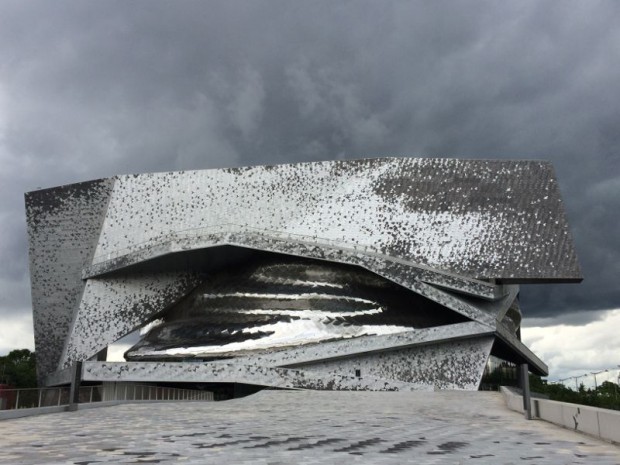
x=597, y=422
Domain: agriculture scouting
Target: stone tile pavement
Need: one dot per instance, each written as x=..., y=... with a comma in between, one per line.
x=302, y=427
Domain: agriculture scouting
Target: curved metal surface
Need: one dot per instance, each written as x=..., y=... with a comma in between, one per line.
x=283, y=302
x=404, y=245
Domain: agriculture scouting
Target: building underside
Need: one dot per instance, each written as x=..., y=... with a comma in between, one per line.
x=382, y=274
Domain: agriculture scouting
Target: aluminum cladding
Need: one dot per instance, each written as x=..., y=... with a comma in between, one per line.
x=475, y=218
x=63, y=227
x=442, y=228
x=113, y=307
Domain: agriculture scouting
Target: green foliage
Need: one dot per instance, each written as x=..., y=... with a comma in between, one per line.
x=607, y=395
x=18, y=369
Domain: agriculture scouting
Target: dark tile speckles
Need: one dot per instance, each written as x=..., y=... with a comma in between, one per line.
x=64, y=224
x=426, y=198
x=113, y=307
x=320, y=443
x=403, y=446
x=451, y=217
x=357, y=446
x=413, y=424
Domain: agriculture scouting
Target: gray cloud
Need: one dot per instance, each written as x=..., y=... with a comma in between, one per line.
x=566, y=319
x=94, y=89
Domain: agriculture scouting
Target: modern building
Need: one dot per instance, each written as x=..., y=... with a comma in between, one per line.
x=373, y=274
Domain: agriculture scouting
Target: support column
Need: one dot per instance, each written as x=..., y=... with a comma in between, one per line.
x=525, y=385
x=74, y=393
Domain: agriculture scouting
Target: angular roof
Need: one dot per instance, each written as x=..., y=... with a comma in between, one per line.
x=433, y=226
x=482, y=219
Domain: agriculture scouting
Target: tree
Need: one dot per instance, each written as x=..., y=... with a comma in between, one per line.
x=18, y=369
x=607, y=394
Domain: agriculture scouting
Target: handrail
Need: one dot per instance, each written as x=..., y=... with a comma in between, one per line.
x=14, y=399
x=11, y=399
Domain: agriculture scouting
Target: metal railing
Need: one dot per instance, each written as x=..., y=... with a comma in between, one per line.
x=131, y=392
x=11, y=399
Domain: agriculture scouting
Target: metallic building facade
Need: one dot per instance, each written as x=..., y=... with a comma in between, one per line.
x=388, y=273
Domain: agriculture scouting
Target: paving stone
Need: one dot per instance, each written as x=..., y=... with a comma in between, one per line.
x=302, y=427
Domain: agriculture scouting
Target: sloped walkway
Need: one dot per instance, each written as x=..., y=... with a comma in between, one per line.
x=303, y=427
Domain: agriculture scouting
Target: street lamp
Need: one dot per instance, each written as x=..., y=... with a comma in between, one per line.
x=597, y=373
x=563, y=380
x=576, y=378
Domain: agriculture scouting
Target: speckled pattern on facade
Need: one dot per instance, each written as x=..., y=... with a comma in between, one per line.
x=461, y=233
x=64, y=224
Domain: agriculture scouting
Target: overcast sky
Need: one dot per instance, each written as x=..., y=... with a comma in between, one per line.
x=93, y=89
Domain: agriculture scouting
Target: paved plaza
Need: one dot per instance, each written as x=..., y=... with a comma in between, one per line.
x=302, y=427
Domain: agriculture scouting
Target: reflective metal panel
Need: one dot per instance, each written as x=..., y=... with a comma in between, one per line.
x=281, y=302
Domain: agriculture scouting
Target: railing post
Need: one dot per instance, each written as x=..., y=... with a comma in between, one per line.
x=17, y=400
x=90, y=398
x=74, y=392
x=59, y=394
x=525, y=381
x=40, y=393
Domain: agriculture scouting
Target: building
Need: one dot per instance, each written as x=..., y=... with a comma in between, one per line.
x=378, y=274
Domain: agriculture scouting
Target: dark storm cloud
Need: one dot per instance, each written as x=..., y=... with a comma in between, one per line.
x=94, y=89
x=568, y=319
